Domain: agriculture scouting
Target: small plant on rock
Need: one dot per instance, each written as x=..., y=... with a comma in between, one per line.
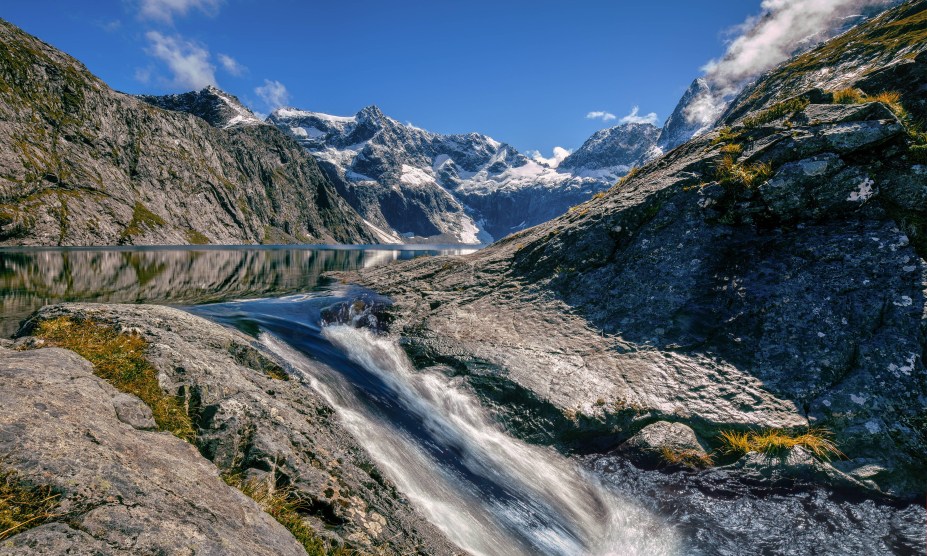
x=692, y=459
x=24, y=505
x=283, y=505
x=778, y=442
x=729, y=172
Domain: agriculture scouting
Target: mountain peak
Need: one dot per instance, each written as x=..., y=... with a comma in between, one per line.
x=219, y=108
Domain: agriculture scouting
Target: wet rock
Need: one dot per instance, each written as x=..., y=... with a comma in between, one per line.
x=793, y=468
x=362, y=312
x=663, y=441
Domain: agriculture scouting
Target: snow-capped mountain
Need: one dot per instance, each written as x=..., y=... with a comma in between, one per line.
x=687, y=119
x=611, y=153
x=214, y=105
x=414, y=185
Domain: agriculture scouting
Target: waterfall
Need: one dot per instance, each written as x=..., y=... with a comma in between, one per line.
x=490, y=493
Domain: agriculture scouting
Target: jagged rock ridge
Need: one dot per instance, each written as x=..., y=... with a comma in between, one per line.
x=81, y=164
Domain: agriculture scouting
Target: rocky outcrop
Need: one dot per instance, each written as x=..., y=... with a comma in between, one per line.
x=768, y=275
x=253, y=417
x=81, y=164
x=124, y=489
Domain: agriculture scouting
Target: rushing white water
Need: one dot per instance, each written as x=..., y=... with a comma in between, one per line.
x=490, y=493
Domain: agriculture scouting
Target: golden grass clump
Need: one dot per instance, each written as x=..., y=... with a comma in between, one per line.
x=729, y=172
x=627, y=177
x=776, y=111
x=733, y=149
x=120, y=360
x=891, y=99
x=848, y=96
x=777, y=442
x=24, y=505
x=282, y=505
x=692, y=459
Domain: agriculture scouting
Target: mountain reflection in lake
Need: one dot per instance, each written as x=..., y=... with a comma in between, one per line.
x=30, y=279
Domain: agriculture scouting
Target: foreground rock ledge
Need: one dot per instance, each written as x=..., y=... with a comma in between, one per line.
x=128, y=491
x=136, y=491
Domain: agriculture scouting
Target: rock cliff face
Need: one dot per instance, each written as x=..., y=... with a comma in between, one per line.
x=133, y=490
x=81, y=164
x=415, y=185
x=767, y=275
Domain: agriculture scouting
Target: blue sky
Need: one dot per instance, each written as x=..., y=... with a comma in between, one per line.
x=526, y=73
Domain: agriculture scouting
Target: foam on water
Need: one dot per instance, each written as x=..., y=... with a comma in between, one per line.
x=490, y=493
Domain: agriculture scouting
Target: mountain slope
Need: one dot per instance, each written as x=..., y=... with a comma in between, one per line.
x=470, y=188
x=81, y=164
x=767, y=275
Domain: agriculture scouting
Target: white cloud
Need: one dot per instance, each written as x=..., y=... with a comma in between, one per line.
x=231, y=65
x=188, y=61
x=784, y=28
x=165, y=10
x=600, y=115
x=555, y=159
x=273, y=93
x=634, y=118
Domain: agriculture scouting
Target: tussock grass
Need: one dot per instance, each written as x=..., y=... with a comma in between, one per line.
x=686, y=458
x=891, y=99
x=24, y=505
x=729, y=173
x=120, y=360
x=282, y=505
x=727, y=135
x=733, y=149
x=776, y=111
x=848, y=96
x=627, y=177
x=777, y=442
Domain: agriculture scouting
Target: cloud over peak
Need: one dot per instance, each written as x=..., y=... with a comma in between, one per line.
x=634, y=118
x=273, y=93
x=553, y=161
x=600, y=115
x=188, y=60
x=783, y=28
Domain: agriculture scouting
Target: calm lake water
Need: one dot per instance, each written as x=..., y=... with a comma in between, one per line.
x=31, y=278
x=491, y=493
